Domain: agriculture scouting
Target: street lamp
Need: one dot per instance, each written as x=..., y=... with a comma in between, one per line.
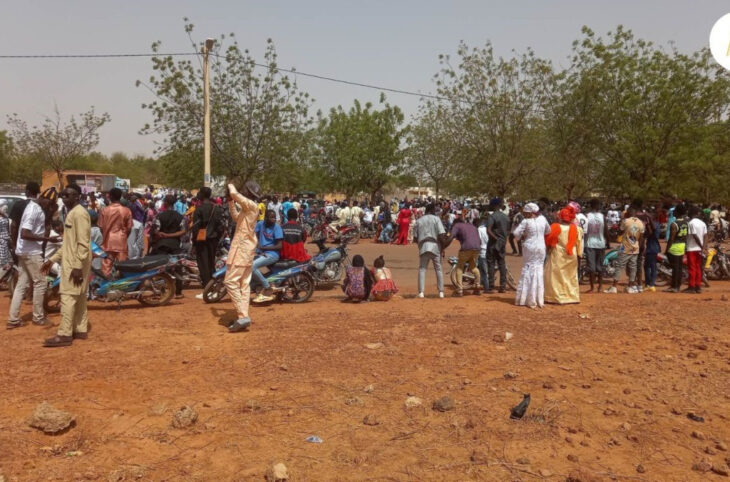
x=206, y=105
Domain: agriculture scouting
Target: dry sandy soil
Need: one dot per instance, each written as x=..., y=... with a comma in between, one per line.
x=612, y=381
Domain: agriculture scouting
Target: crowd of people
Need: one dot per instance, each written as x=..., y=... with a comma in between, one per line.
x=47, y=230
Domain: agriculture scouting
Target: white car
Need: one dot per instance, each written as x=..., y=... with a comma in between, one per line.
x=10, y=199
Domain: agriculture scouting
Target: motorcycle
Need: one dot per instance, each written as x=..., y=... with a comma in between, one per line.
x=468, y=278
x=717, y=266
x=664, y=270
x=348, y=233
x=9, y=278
x=329, y=264
x=146, y=280
x=289, y=279
x=608, y=268
x=367, y=230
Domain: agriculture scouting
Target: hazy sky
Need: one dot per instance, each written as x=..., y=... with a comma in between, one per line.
x=393, y=44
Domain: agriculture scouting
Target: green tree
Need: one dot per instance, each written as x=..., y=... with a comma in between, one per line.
x=643, y=100
x=431, y=149
x=253, y=114
x=360, y=149
x=6, y=148
x=702, y=165
x=493, y=106
x=54, y=143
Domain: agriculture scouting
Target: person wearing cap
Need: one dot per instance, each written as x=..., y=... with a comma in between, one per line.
x=565, y=246
x=239, y=264
x=531, y=232
x=29, y=250
x=498, y=228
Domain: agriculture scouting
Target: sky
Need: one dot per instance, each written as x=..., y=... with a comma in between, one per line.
x=386, y=43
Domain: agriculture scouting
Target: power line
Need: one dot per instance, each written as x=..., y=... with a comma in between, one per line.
x=180, y=54
x=91, y=56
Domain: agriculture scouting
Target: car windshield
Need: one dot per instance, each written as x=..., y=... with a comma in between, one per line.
x=9, y=201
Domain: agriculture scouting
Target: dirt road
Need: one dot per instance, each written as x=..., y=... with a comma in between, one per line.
x=611, y=380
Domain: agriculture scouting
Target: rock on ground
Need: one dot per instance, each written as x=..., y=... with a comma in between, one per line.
x=443, y=404
x=184, y=417
x=277, y=472
x=49, y=419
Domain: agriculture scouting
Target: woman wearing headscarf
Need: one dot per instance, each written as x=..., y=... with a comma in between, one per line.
x=532, y=231
x=565, y=247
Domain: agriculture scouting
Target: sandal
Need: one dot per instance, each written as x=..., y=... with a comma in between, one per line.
x=58, y=341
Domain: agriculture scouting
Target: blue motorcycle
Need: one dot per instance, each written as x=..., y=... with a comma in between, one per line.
x=147, y=280
x=290, y=280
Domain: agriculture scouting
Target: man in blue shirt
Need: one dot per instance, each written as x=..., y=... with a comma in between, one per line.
x=285, y=207
x=270, y=236
x=181, y=206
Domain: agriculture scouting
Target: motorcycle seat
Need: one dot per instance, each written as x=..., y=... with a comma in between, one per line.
x=285, y=264
x=142, y=264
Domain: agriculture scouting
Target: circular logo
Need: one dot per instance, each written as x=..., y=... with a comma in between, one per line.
x=720, y=41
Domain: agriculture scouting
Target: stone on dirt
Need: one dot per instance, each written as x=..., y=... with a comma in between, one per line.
x=523, y=461
x=721, y=470
x=510, y=375
x=702, y=467
x=371, y=419
x=277, y=473
x=49, y=419
x=412, y=402
x=354, y=401
x=640, y=469
x=443, y=404
x=698, y=435
x=184, y=417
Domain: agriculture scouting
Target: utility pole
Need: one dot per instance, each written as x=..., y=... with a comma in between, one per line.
x=206, y=105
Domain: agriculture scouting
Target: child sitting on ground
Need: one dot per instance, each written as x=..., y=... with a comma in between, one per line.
x=384, y=287
x=358, y=280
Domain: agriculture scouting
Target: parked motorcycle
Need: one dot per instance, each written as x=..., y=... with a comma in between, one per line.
x=468, y=278
x=348, y=233
x=329, y=264
x=290, y=280
x=9, y=278
x=147, y=280
x=717, y=265
x=608, y=268
x=367, y=230
x=664, y=271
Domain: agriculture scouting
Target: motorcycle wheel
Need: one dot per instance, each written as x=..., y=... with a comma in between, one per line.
x=52, y=300
x=714, y=272
x=585, y=277
x=467, y=280
x=662, y=279
x=317, y=234
x=353, y=237
x=165, y=286
x=297, y=289
x=511, y=283
x=214, y=291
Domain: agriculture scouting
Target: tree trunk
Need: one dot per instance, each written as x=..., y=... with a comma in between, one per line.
x=59, y=173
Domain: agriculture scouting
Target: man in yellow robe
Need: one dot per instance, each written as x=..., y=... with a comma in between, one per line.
x=75, y=259
x=239, y=264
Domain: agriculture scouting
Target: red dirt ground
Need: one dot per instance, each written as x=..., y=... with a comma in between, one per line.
x=612, y=380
